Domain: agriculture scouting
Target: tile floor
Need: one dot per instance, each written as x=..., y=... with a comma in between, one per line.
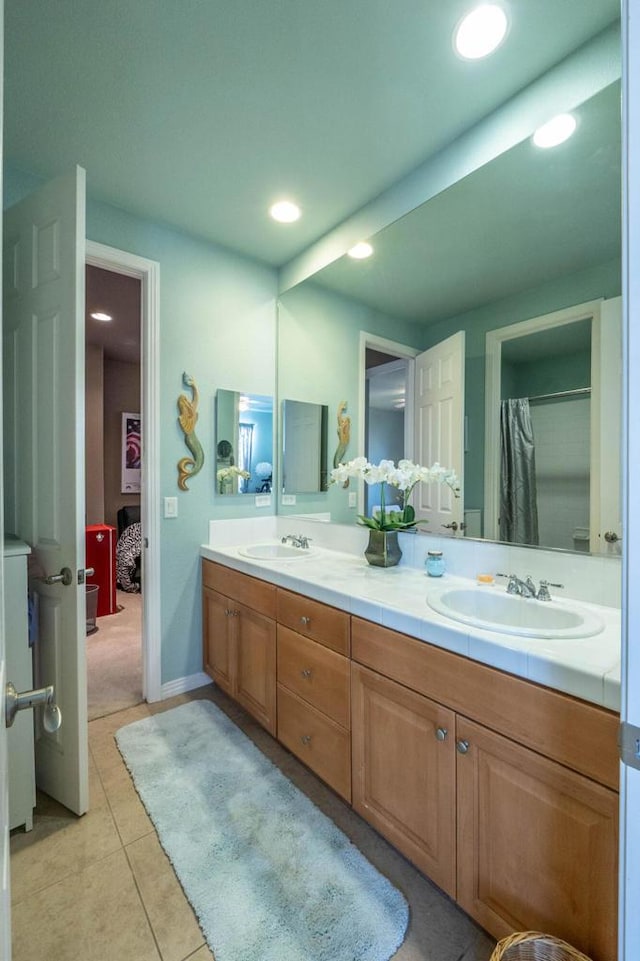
x=100, y=888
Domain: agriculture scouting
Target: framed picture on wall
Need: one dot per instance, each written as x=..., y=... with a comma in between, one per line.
x=131, y=453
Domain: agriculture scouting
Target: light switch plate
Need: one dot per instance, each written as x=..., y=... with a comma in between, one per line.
x=263, y=500
x=353, y=499
x=171, y=507
x=288, y=499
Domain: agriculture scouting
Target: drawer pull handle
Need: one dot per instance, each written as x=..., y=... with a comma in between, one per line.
x=305, y=620
x=306, y=672
x=441, y=733
x=462, y=747
x=306, y=739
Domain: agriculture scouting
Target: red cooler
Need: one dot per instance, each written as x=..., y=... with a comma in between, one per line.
x=101, y=555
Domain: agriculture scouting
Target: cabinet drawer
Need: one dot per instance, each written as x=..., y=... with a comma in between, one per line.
x=582, y=736
x=318, y=741
x=316, y=674
x=250, y=591
x=321, y=623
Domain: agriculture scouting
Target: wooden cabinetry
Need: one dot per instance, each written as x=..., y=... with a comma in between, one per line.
x=536, y=844
x=536, y=839
x=240, y=639
x=314, y=716
x=404, y=772
x=502, y=791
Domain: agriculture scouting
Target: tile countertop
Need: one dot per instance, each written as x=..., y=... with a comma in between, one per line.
x=588, y=668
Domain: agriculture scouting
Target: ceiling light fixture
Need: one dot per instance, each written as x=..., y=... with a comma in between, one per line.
x=99, y=315
x=481, y=31
x=361, y=250
x=555, y=131
x=285, y=211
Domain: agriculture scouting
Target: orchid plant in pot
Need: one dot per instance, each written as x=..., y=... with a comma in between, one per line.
x=384, y=524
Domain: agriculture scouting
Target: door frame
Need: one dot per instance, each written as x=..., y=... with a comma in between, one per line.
x=493, y=396
x=148, y=272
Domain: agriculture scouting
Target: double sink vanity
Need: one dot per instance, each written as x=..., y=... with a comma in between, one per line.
x=463, y=723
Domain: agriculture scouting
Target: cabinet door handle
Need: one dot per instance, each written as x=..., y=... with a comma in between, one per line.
x=305, y=620
x=306, y=672
x=306, y=739
x=441, y=733
x=462, y=747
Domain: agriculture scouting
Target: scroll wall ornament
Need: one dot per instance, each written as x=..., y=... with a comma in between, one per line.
x=344, y=436
x=188, y=416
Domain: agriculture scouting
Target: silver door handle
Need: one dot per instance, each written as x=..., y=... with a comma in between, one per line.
x=89, y=571
x=453, y=525
x=64, y=577
x=611, y=537
x=14, y=702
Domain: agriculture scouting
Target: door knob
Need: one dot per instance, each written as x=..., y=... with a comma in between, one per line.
x=64, y=577
x=462, y=747
x=14, y=702
x=611, y=537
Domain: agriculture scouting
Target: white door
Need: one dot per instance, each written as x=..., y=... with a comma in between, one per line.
x=43, y=333
x=439, y=430
x=606, y=503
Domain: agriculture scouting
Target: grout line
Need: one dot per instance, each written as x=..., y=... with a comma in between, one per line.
x=142, y=902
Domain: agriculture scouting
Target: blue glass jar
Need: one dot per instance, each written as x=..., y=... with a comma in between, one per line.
x=434, y=563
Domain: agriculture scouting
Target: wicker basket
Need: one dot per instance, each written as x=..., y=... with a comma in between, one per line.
x=534, y=946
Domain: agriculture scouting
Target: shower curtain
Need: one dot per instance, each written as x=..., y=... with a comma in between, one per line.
x=518, y=496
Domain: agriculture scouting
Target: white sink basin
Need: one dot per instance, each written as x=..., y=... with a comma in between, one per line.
x=274, y=552
x=494, y=610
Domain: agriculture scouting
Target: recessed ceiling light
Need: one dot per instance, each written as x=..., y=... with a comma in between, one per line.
x=361, y=250
x=556, y=131
x=99, y=315
x=285, y=211
x=481, y=31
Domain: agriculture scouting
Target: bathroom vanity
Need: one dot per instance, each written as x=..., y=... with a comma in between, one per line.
x=504, y=792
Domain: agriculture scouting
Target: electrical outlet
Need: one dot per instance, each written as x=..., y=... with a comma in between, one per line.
x=171, y=507
x=288, y=499
x=263, y=500
x=353, y=499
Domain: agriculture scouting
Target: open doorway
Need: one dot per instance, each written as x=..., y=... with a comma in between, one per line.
x=386, y=406
x=113, y=447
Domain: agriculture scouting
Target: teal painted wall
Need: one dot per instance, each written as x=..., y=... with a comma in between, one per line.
x=218, y=323
x=546, y=375
x=318, y=357
x=602, y=280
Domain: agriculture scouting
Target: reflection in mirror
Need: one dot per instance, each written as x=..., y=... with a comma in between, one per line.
x=385, y=402
x=244, y=443
x=530, y=233
x=304, y=447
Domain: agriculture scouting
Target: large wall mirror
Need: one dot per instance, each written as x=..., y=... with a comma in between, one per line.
x=244, y=443
x=529, y=234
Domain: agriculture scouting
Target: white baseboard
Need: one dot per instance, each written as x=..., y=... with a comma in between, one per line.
x=183, y=684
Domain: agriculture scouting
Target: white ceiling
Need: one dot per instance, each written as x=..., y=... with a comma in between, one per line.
x=200, y=114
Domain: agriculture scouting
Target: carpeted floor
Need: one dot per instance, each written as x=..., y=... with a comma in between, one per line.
x=114, y=659
x=270, y=877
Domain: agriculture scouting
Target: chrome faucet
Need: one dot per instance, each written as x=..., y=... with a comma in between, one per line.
x=298, y=540
x=527, y=588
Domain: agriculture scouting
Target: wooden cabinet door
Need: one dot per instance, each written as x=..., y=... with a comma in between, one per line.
x=403, y=775
x=255, y=688
x=218, y=650
x=537, y=844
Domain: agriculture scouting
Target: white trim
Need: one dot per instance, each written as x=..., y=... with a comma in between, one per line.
x=395, y=349
x=494, y=342
x=148, y=272
x=183, y=684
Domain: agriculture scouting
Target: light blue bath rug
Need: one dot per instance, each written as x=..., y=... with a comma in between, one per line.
x=269, y=876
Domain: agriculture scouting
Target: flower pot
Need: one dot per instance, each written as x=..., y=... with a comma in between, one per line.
x=383, y=549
